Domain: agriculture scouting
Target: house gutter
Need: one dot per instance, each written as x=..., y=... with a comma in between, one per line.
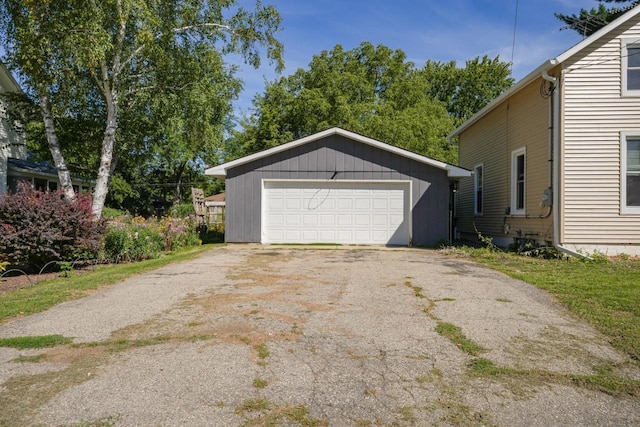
x=554, y=169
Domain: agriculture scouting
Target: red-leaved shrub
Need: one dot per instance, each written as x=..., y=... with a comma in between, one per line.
x=37, y=227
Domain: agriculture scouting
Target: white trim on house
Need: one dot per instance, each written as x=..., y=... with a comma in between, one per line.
x=220, y=171
x=478, y=186
x=626, y=43
x=515, y=182
x=624, y=138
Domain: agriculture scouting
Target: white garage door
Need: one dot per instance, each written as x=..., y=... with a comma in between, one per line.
x=346, y=212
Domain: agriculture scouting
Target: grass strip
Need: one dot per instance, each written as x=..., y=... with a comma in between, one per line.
x=39, y=341
x=46, y=294
x=454, y=334
x=605, y=293
x=604, y=380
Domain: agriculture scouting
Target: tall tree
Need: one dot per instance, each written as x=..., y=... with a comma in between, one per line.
x=465, y=90
x=375, y=91
x=112, y=56
x=587, y=22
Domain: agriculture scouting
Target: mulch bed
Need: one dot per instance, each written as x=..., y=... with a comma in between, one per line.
x=17, y=280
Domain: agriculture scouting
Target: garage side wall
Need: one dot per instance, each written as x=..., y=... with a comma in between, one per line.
x=338, y=158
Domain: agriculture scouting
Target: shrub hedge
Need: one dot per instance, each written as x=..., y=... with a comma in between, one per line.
x=37, y=227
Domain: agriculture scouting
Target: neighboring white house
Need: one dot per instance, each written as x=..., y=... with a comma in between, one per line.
x=12, y=136
x=15, y=165
x=557, y=157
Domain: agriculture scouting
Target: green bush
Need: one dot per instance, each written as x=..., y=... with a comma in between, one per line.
x=111, y=213
x=182, y=210
x=135, y=239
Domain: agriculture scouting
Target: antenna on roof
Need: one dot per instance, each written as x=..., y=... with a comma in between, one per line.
x=588, y=24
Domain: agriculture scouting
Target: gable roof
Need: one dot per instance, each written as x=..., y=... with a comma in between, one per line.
x=7, y=82
x=220, y=197
x=220, y=171
x=546, y=66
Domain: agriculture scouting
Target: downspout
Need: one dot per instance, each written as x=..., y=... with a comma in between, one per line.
x=554, y=172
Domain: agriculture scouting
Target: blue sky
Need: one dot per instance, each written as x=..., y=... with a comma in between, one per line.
x=438, y=30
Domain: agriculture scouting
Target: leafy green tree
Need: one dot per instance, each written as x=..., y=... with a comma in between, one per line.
x=136, y=61
x=587, y=22
x=375, y=91
x=466, y=90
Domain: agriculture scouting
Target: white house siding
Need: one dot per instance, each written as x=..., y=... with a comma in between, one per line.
x=12, y=144
x=490, y=141
x=594, y=115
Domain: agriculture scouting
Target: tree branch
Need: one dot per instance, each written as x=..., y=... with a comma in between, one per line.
x=178, y=30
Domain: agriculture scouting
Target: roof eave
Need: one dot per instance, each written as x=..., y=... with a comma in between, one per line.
x=7, y=77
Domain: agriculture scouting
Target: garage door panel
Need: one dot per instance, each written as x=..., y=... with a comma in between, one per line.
x=276, y=219
x=293, y=219
x=327, y=236
x=362, y=220
x=309, y=219
x=367, y=212
x=345, y=204
x=379, y=219
x=345, y=220
x=292, y=203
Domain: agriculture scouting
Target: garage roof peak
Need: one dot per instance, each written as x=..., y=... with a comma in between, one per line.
x=220, y=171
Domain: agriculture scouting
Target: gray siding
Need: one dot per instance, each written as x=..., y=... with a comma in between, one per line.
x=348, y=160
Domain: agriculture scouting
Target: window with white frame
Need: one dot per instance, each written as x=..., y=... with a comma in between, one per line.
x=630, y=175
x=631, y=67
x=478, y=188
x=518, y=181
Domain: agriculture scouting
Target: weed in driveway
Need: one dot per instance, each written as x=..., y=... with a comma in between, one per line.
x=417, y=290
x=406, y=414
x=21, y=395
x=433, y=376
x=262, y=350
x=260, y=383
x=253, y=405
x=454, y=334
x=275, y=415
x=29, y=359
x=103, y=422
x=41, y=341
x=604, y=379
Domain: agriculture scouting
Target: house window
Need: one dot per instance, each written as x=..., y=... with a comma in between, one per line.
x=631, y=68
x=631, y=174
x=518, y=181
x=478, y=187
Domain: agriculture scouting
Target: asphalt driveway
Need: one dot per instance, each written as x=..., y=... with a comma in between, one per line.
x=255, y=335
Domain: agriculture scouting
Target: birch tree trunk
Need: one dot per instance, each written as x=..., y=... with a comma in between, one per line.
x=52, y=139
x=106, y=157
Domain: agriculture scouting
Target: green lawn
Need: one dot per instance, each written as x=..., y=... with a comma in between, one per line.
x=37, y=298
x=605, y=293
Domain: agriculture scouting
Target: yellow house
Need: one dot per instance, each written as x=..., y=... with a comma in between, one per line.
x=556, y=159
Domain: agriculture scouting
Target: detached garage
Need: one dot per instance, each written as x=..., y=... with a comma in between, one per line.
x=338, y=187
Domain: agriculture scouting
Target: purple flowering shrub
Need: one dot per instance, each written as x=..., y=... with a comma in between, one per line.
x=37, y=227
